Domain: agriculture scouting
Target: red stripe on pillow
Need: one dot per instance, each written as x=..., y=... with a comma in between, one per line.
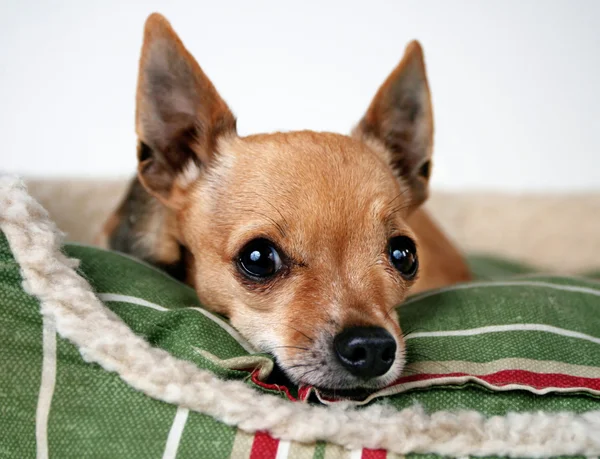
x=521, y=377
x=374, y=454
x=264, y=446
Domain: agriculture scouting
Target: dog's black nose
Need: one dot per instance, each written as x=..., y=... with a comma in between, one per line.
x=365, y=351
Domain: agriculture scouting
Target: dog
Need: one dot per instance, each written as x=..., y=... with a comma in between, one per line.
x=307, y=241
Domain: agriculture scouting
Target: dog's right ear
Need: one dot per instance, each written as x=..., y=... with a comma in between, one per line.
x=179, y=114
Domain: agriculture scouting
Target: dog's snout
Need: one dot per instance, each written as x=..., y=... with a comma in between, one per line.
x=366, y=352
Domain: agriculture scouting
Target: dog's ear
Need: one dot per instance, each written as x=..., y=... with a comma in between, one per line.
x=179, y=114
x=400, y=116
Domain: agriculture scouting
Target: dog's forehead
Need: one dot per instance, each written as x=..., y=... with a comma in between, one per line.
x=319, y=185
x=308, y=166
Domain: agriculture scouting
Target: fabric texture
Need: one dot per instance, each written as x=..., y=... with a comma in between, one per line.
x=483, y=358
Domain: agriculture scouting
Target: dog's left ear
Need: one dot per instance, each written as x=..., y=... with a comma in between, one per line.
x=400, y=116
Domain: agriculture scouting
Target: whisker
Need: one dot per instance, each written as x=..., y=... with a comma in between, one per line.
x=292, y=347
x=276, y=224
x=410, y=372
x=302, y=333
x=410, y=353
x=398, y=195
x=306, y=373
x=299, y=365
x=414, y=329
x=393, y=308
x=399, y=208
x=276, y=210
x=410, y=331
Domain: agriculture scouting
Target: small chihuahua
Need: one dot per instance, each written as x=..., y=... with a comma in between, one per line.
x=307, y=241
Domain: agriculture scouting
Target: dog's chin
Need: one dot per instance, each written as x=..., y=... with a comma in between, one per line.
x=347, y=389
x=334, y=380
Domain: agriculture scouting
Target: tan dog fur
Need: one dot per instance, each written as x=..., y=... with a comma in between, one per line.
x=329, y=202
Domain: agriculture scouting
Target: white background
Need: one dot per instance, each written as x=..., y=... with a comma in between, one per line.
x=516, y=84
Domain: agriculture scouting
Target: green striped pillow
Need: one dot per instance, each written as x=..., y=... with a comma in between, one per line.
x=524, y=343
x=487, y=346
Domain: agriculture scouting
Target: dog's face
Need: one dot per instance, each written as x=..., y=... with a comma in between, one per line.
x=293, y=237
x=299, y=238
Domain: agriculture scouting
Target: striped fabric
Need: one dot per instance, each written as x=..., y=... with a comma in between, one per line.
x=525, y=343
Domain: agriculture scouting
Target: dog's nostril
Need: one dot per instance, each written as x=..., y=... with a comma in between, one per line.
x=360, y=353
x=367, y=352
x=388, y=354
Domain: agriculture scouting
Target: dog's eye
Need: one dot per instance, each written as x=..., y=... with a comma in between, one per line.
x=259, y=259
x=403, y=254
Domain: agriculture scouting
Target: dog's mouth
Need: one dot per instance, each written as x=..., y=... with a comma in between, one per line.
x=280, y=378
x=331, y=380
